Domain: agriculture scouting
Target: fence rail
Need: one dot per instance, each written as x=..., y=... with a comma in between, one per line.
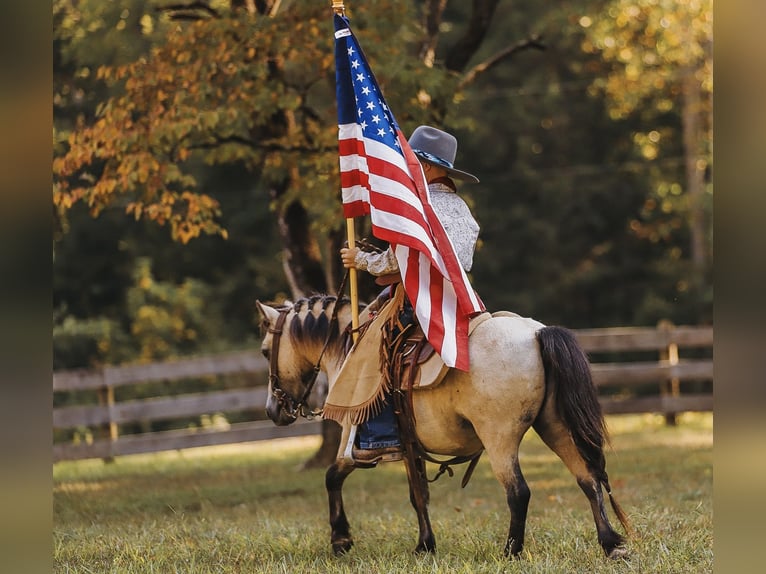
x=664, y=372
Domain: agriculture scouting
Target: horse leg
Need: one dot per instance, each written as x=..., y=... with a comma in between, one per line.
x=571, y=423
x=558, y=438
x=506, y=467
x=503, y=452
x=612, y=543
x=517, y=495
x=340, y=536
x=419, y=498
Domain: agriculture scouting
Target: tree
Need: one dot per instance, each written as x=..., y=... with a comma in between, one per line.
x=661, y=51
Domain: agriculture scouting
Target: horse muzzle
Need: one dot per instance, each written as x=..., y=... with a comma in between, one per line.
x=280, y=412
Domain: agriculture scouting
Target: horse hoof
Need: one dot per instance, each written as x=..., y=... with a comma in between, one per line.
x=425, y=549
x=618, y=553
x=341, y=547
x=513, y=551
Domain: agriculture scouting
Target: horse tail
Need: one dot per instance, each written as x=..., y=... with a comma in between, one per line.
x=568, y=377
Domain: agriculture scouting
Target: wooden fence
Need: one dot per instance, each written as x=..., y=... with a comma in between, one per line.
x=652, y=383
x=663, y=369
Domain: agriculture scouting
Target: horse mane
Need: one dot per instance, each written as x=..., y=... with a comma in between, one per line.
x=312, y=323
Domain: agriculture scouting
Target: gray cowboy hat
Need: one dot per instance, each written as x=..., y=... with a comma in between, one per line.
x=439, y=148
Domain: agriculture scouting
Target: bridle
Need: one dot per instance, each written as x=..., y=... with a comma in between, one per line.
x=287, y=403
x=285, y=400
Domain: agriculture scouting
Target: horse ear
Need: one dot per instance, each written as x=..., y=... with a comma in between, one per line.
x=268, y=314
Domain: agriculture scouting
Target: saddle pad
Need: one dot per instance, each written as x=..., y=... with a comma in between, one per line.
x=505, y=314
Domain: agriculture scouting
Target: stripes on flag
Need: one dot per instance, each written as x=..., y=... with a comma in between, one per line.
x=381, y=177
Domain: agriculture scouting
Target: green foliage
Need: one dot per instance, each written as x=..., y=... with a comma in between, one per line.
x=168, y=319
x=245, y=508
x=95, y=264
x=652, y=43
x=660, y=57
x=89, y=342
x=87, y=34
x=163, y=320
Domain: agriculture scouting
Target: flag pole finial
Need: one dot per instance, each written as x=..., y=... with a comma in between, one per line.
x=338, y=7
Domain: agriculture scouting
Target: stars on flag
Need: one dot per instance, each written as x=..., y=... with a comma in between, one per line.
x=373, y=115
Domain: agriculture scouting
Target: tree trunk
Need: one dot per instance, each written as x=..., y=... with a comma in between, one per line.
x=432, y=18
x=695, y=174
x=302, y=258
x=306, y=274
x=464, y=48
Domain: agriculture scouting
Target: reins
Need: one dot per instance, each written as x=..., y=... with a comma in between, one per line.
x=285, y=400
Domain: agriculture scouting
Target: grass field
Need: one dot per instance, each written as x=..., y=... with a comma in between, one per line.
x=247, y=508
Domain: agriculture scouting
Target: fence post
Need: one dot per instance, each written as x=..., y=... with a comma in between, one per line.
x=106, y=398
x=672, y=386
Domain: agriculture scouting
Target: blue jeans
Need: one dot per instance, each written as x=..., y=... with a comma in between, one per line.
x=381, y=430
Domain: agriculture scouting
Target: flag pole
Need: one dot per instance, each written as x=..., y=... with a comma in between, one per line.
x=352, y=281
x=340, y=9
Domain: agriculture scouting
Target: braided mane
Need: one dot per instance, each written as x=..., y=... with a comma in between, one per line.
x=312, y=323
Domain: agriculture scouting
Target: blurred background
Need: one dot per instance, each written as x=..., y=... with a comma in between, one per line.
x=195, y=160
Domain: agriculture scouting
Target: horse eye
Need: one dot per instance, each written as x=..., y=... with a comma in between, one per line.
x=266, y=353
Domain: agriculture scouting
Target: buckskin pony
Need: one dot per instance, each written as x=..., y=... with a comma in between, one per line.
x=523, y=374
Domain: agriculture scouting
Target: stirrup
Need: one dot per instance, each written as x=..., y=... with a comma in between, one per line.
x=392, y=456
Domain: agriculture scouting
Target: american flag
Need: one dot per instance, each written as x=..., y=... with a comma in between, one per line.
x=382, y=177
